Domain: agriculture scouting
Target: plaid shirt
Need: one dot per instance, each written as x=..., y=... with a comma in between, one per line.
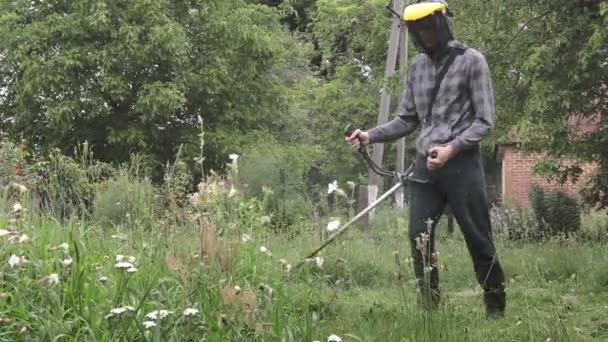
x=463, y=112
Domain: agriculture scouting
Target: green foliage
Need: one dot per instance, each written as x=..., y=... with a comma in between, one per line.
x=134, y=76
x=548, y=59
x=67, y=186
x=125, y=200
x=514, y=223
x=282, y=172
x=556, y=212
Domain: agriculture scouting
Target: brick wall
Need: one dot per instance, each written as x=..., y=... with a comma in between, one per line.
x=517, y=177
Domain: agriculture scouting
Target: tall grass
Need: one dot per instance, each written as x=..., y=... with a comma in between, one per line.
x=215, y=254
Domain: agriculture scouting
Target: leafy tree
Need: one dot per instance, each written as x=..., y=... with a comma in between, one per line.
x=135, y=76
x=550, y=62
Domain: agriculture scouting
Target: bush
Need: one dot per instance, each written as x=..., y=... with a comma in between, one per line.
x=125, y=199
x=557, y=213
x=513, y=223
x=67, y=186
x=282, y=170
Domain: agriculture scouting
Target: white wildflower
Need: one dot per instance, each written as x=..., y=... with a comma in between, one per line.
x=65, y=247
x=265, y=251
x=131, y=270
x=124, y=265
x=67, y=261
x=19, y=187
x=190, y=312
x=333, y=225
x=149, y=324
x=4, y=232
x=52, y=279
x=234, y=157
x=24, y=239
x=103, y=279
x=125, y=258
x=246, y=238
x=334, y=338
x=331, y=187
x=319, y=261
x=265, y=220
x=158, y=315
x=17, y=207
x=119, y=237
x=120, y=311
x=17, y=261
x=351, y=184
x=233, y=192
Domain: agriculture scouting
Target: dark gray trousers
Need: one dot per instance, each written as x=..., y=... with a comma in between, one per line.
x=460, y=183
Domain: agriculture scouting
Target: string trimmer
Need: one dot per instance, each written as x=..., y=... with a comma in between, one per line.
x=401, y=178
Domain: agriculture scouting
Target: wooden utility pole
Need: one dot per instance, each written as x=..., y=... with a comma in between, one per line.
x=403, y=61
x=385, y=103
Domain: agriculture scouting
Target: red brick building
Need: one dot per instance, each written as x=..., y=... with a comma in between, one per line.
x=515, y=175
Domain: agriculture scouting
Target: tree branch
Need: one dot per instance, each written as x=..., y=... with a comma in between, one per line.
x=525, y=25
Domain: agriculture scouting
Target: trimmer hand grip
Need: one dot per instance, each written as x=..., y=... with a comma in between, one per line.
x=350, y=129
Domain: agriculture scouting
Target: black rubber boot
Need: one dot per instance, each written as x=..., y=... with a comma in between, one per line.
x=495, y=301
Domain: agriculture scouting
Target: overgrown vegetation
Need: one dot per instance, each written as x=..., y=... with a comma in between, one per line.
x=220, y=267
x=176, y=155
x=556, y=212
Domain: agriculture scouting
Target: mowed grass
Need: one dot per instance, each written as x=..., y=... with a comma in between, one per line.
x=556, y=291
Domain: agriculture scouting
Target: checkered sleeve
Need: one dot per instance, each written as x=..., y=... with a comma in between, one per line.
x=403, y=124
x=482, y=98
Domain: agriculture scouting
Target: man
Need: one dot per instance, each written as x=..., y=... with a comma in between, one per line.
x=448, y=165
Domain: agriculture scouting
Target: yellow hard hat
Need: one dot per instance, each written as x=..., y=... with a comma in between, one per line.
x=422, y=10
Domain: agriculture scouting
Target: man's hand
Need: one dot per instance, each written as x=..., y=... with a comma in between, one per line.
x=358, y=139
x=438, y=156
